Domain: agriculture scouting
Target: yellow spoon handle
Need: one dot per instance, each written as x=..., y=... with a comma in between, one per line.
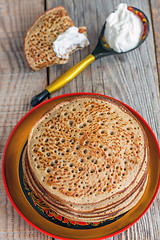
x=70, y=74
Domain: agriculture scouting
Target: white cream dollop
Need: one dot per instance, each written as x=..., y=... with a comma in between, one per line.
x=69, y=41
x=123, y=29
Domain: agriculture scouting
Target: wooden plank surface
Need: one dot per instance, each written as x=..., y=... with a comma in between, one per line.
x=17, y=84
x=155, y=12
x=131, y=78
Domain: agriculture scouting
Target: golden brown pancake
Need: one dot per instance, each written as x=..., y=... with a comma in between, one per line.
x=88, y=158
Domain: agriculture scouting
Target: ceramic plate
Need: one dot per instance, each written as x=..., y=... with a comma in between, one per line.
x=36, y=213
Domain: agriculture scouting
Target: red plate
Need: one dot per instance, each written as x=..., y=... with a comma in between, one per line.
x=12, y=177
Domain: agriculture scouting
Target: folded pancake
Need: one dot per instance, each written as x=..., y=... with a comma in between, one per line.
x=41, y=35
x=87, y=159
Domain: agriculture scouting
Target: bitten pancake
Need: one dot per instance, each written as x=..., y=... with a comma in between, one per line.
x=41, y=35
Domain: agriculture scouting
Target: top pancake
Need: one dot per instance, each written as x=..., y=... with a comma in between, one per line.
x=86, y=150
x=41, y=35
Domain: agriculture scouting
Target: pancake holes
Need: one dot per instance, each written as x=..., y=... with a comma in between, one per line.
x=67, y=150
x=124, y=169
x=114, y=182
x=86, y=143
x=80, y=169
x=65, y=114
x=92, y=106
x=35, y=159
x=89, y=121
x=35, y=150
x=108, y=165
x=81, y=133
x=74, y=109
x=56, y=161
x=128, y=128
x=101, y=146
x=71, y=164
x=87, y=174
x=48, y=154
x=104, y=189
x=76, y=195
x=117, y=167
x=52, y=164
x=88, y=157
x=94, y=161
x=131, y=148
x=112, y=133
x=38, y=166
x=90, y=193
x=63, y=140
x=82, y=125
x=46, y=140
x=48, y=170
x=81, y=160
x=53, y=187
x=109, y=154
x=69, y=189
x=102, y=131
x=92, y=171
x=74, y=153
x=105, y=149
x=72, y=141
x=51, y=127
x=71, y=123
x=57, y=139
x=100, y=170
x=85, y=151
x=78, y=147
x=125, y=162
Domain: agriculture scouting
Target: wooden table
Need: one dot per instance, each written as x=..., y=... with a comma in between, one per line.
x=131, y=78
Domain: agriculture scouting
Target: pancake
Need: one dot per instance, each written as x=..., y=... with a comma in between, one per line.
x=87, y=158
x=109, y=203
x=41, y=35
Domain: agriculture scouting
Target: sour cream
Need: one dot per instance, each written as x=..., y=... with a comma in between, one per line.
x=69, y=41
x=123, y=29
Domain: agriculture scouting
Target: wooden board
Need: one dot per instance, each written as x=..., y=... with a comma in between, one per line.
x=132, y=78
x=17, y=85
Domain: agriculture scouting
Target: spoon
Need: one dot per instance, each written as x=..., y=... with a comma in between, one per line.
x=102, y=49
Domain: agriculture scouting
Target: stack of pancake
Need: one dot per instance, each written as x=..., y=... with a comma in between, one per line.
x=87, y=159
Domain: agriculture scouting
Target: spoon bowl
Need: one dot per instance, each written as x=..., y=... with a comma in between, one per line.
x=102, y=49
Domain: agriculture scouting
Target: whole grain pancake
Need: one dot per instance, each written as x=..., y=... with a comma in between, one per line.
x=87, y=158
x=130, y=202
x=102, y=206
x=84, y=141
x=41, y=35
